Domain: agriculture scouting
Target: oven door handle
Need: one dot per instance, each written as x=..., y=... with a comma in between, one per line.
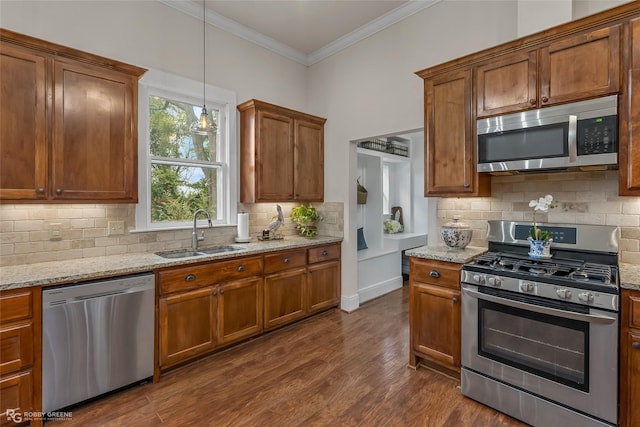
x=593, y=318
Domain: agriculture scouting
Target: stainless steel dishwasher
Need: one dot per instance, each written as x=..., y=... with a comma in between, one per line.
x=96, y=337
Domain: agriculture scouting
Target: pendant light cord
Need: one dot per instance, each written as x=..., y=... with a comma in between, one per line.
x=204, y=51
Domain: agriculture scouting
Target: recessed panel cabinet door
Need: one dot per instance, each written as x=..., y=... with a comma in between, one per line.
x=450, y=161
x=580, y=67
x=629, y=153
x=94, y=149
x=274, y=157
x=23, y=125
x=239, y=310
x=284, y=297
x=323, y=286
x=309, y=161
x=187, y=325
x=507, y=85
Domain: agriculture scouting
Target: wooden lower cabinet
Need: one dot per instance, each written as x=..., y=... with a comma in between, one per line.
x=322, y=286
x=20, y=354
x=284, y=297
x=630, y=359
x=187, y=325
x=434, y=314
x=203, y=307
x=239, y=310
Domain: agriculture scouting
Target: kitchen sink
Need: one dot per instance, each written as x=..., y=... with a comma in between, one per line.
x=185, y=253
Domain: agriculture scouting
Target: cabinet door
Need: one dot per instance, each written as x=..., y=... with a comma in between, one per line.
x=435, y=316
x=284, y=297
x=187, y=325
x=94, y=144
x=239, y=310
x=507, y=85
x=630, y=378
x=629, y=151
x=323, y=284
x=16, y=392
x=308, y=168
x=449, y=138
x=580, y=67
x=274, y=157
x=23, y=125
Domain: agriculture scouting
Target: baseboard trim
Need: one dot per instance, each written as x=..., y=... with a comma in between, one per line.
x=378, y=289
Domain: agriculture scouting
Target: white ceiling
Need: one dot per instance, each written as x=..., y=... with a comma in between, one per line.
x=306, y=31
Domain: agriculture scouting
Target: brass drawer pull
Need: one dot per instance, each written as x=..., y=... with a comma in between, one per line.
x=190, y=278
x=241, y=268
x=434, y=273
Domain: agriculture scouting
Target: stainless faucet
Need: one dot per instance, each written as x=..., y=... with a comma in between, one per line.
x=194, y=235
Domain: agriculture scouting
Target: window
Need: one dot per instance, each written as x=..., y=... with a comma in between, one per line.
x=180, y=172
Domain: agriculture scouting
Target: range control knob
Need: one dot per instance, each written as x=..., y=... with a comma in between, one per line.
x=586, y=297
x=494, y=281
x=526, y=287
x=478, y=279
x=564, y=293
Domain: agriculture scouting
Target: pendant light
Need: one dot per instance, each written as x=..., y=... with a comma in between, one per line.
x=203, y=126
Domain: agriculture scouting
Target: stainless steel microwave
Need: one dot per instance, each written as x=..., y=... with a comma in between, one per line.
x=580, y=135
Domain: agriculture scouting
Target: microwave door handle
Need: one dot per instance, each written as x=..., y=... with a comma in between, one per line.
x=592, y=318
x=573, y=139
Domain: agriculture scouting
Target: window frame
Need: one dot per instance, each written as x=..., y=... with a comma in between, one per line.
x=158, y=83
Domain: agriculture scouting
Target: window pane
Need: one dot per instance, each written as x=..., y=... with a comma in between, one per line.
x=177, y=191
x=169, y=122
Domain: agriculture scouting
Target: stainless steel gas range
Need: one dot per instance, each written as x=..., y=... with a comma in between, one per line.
x=540, y=336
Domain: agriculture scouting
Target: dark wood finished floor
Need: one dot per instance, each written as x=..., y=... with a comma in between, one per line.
x=336, y=369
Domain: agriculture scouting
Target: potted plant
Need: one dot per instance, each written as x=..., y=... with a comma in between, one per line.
x=540, y=240
x=306, y=218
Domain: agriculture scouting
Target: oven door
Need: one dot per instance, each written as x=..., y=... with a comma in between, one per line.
x=550, y=349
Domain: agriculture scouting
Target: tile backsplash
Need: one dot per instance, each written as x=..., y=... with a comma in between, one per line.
x=582, y=198
x=26, y=230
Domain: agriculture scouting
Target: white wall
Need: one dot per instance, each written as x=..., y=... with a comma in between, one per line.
x=371, y=89
x=152, y=35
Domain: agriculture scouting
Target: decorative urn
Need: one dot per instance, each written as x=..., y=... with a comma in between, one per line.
x=455, y=234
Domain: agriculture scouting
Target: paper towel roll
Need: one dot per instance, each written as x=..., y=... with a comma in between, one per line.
x=243, y=227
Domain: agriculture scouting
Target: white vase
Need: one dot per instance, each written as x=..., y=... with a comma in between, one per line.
x=539, y=248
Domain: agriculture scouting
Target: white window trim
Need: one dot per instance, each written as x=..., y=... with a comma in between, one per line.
x=156, y=82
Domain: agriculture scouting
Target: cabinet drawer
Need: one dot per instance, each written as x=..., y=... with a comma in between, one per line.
x=280, y=261
x=435, y=272
x=16, y=305
x=634, y=311
x=192, y=277
x=16, y=348
x=324, y=253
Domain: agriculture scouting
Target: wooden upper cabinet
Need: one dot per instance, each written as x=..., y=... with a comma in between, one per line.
x=68, y=124
x=580, y=67
x=281, y=154
x=629, y=121
x=308, y=163
x=94, y=149
x=509, y=84
x=23, y=124
x=571, y=69
x=450, y=159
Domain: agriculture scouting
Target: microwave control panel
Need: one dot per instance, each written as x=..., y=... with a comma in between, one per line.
x=598, y=135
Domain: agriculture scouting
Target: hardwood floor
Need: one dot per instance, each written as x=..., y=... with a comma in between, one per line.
x=335, y=369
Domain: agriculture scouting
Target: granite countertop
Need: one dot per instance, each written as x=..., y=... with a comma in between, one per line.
x=60, y=272
x=630, y=276
x=443, y=253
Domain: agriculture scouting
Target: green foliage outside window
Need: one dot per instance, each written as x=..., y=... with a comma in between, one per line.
x=181, y=179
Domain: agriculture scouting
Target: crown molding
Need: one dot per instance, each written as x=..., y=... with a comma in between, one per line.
x=193, y=8
x=388, y=19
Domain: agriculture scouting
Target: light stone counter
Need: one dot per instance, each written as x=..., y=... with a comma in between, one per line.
x=443, y=253
x=60, y=272
x=630, y=276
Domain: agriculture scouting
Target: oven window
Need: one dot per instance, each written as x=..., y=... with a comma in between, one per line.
x=551, y=347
